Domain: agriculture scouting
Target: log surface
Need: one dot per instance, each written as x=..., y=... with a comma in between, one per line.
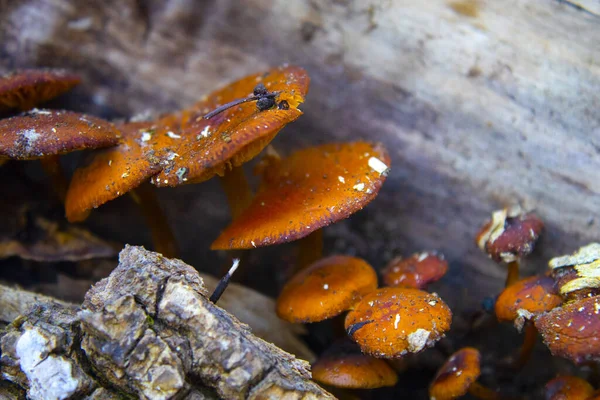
x=147, y=331
x=482, y=104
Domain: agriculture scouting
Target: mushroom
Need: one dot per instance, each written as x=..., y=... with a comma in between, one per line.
x=520, y=302
x=568, y=388
x=392, y=322
x=25, y=89
x=126, y=168
x=510, y=235
x=344, y=366
x=46, y=134
x=185, y=148
x=458, y=377
x=325, y=289
x=416, y=271
x=573, y=330
x=220, y=144
x=306, y=191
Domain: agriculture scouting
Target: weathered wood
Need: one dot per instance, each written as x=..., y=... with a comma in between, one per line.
x=148, y=331
x=249, y=306
x=481, y=103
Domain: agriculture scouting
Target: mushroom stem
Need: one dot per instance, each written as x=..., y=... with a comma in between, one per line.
x=527, y=346
x=52, y=166
x=310, y=249
x=513, y=273
x=224, y=282
x=237, y=190
x=162, y=236
x=481, y=392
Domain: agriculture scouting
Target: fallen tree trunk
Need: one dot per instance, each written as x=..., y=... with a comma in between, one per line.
x=481, y=103
x=148, y=331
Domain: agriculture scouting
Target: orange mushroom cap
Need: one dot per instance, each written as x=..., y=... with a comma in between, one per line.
x=325, y=289
x=392, y=322
x=40, y=133
x=456, y=375
x=568, y=388
x=416, y=271
x=115, y=171
x=510, y=235
x=24, y=89
x=344, y=366
x=527, y=297
x=573, y=330
x=306, y=191
x=235, y=135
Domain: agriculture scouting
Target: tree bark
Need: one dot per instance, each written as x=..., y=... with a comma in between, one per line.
x=147, y=331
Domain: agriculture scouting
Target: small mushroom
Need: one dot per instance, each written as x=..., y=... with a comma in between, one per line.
x=23, y=90
x=325, y=289
x=520, y=302
x=40, y=133
x=220, y=144
x=308, y=190
x=568, y=388
x=526, y=298
x=392, y=322
x=572, y=331
x=125, y=168
x=458, y=376
x=46, y=134
x=416, y=271
x=344, y=366
x=510, y=235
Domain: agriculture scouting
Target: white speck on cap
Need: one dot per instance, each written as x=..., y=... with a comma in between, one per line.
x=378, y=165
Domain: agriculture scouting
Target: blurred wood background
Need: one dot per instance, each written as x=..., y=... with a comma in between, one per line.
x=482, y=104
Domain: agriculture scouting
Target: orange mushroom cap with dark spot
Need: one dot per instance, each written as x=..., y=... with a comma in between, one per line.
x=532, y=295
x=115, y=171
x=510, y=235
x=392, y=322
x=344, y=366
x=41, y=133
x=237, y=134
x=456, y=375
x=416, y=271
x=568, y=388
x=325, y=289
x=306, y=191
x=573, y=330
x=24, y=89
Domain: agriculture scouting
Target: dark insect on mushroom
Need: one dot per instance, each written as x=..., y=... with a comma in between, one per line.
x=265, y=100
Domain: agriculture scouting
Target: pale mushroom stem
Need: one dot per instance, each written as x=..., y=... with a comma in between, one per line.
x=237, y=189
x=481, y=392
x=162, y=236
x=52, y=166
x=513, y=273
x=310, y=249
x=529, y=339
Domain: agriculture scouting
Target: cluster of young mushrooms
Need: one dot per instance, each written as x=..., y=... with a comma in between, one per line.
x=298, y=195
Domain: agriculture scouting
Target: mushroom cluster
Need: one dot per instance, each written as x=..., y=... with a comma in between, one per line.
x=385, y=323
x=297, y=195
